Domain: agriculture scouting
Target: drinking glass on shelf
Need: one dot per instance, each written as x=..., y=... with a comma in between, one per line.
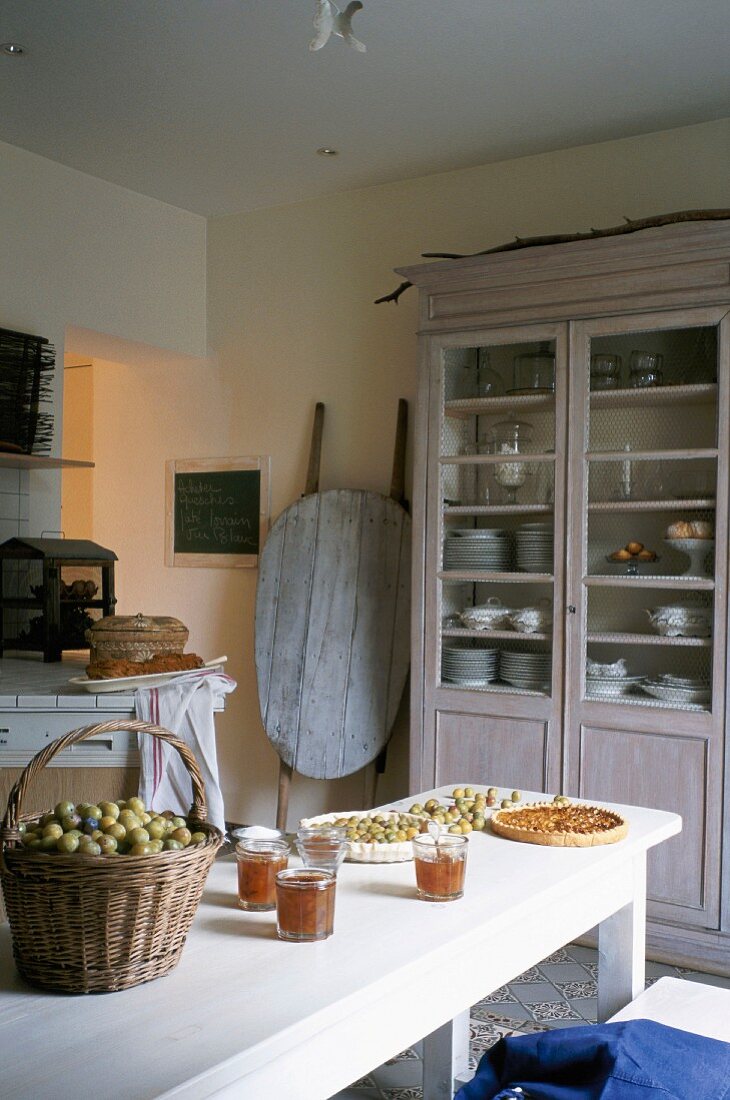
x=489, y=383
x=645, y=369
x=605, y=372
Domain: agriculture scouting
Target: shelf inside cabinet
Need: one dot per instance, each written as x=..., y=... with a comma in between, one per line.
x=634, y=456
x=502, y=635
x=644, y=701
x=484, y=406
x=703, y=504
x=497, y=509
x=500, y=459
x=495, y=688
x=461, y=577
x=646, y=397
x=688, y=584
x=646, y=639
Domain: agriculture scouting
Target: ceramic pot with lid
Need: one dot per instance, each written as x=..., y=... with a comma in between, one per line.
x=136, y=637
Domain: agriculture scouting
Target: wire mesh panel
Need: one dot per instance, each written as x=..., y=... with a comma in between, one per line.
x=497, y=448
x=652, y=474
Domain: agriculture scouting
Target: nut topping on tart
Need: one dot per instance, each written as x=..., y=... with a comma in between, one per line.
x=571, y=826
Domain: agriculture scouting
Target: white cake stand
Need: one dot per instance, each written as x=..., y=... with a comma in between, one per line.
x=697, y=550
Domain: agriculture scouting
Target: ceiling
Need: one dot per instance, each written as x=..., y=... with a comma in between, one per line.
x=218, y=106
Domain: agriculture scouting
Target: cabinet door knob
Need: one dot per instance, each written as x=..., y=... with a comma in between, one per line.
x=571, y=609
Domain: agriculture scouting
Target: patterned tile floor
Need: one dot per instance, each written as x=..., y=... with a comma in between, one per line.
x=560, y=992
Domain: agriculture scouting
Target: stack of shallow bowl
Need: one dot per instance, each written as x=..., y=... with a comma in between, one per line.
x=471, y=667
x=611, y=687
x=532, y=671
x=680, y=690
x=477, y=549
x=535, y=547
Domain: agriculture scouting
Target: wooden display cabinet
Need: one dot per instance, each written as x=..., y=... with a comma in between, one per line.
x=596, y=703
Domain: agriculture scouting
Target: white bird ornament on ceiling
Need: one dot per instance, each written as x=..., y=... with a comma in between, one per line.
x=329, y=20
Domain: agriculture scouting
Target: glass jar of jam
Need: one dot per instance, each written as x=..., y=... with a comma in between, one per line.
x=259, y=862
x=440, y=867
x=305, y=904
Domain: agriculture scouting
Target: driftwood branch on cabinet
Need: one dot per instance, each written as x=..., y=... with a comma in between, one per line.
x=629, y=225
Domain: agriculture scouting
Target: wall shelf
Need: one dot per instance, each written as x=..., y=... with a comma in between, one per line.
x=39, y=462
x=503, y=635
x=484, y=406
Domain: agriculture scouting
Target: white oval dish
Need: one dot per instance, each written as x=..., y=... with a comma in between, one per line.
x=359, y=852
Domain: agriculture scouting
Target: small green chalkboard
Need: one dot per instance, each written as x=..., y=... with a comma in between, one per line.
x=217, y=511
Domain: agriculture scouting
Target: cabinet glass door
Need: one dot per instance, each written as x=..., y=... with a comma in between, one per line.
x=501, y=424
x=652, y=471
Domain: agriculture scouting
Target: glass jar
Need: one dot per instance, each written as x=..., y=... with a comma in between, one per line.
x=534, y=372
x=505, y=438
x=259, y=862
x=305, y=904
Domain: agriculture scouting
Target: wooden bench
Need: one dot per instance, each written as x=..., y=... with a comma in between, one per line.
x=689, y=1006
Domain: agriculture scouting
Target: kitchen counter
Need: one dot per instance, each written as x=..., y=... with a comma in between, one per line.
x=27, y=682
x=38, y=704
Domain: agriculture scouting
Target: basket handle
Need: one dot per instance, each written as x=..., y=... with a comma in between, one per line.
x=9, y=832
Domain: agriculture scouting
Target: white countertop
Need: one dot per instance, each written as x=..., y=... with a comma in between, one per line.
x=27, y=683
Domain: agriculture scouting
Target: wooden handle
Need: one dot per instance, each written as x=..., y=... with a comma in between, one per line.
x=398, y=477
x=9, y=832
x=311, y=485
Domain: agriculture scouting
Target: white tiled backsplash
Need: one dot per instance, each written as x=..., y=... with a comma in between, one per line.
x=14, y=503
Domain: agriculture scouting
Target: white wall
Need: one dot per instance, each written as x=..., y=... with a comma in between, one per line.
x=79, y=251
x=292, y=319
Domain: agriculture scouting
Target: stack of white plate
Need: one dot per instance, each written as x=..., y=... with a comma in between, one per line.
x=477, y=549
x=680, y=690
x=460, y=665
x=535, y=547
x=526, y=670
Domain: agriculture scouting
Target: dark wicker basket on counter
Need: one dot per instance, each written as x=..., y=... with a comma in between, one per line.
x=95, y=924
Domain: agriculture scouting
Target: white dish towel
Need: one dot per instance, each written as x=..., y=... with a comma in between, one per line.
x=185, y=707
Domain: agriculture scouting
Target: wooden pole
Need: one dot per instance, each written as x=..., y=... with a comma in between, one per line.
x=397, y=493
x=311, y=485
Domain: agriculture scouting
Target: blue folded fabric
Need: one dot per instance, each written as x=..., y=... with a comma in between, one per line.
x=635, y=1060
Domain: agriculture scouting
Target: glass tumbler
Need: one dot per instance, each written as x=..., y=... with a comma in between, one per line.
x=605, y=372
x=440, y=867
x=259, y=862
x=645, y=369
x=324, y=846
x=305, y=904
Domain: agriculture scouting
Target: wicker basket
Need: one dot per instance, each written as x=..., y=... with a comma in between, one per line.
x=136, y=637
x=94, y=924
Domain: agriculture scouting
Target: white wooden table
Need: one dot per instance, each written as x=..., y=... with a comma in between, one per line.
x=249, y=1017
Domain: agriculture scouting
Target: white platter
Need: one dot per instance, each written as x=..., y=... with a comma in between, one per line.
x=131, y=683
x=359, y=852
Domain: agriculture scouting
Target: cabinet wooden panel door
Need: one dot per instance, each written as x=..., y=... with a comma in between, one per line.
x=494, y=751
x=665, y=771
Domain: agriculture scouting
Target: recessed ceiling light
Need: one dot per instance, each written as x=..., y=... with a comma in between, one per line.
x=326, y=151
x=12, y=49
